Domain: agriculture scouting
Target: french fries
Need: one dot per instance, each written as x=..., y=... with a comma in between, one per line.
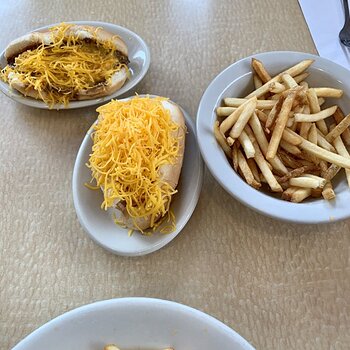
x=278, y=136
x=292, y=71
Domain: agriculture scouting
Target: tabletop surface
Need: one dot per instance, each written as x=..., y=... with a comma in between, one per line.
x=279, y=285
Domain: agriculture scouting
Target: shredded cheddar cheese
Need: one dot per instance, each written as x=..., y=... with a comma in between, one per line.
x=131, y=141
x=59, y=70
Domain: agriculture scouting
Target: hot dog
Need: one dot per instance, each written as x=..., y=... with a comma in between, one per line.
x=136, y=159
x=68, y=62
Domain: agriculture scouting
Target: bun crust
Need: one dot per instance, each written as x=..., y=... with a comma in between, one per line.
x=170, y=173
x=33, y=40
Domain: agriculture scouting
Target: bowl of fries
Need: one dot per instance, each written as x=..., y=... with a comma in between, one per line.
x=273, y=129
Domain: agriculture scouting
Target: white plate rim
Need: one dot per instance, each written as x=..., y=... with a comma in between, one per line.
x=166, y=238
x=299, y=213
x=18, y=97
x=109, y=303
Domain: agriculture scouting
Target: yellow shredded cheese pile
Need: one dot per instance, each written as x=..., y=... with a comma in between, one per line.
x=131, y=141
x=59, y=70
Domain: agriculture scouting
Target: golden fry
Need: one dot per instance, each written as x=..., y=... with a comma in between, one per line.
x=289, y=160
x=304, y=129
x=247, y=173
x=244, y=117
x=299, y=78
x=301, y=117
x=339, y=116
x=247, y=145
x=289, y=81
x=276, y=87
x=313, y=101
x=307, y=182
x=341, y=149
x=236, y=102
x=265, y=169
x=312, y=134
x=228, y=123
x=292, y=71
x=300, y=194
x=322, y=142
x=322, y=126
x=261, y=115
x=328, y=92
x=287, y=194
x=221, y=140
x=321, y=101
x=260, y=70
x=315, y=108
x=290, y=138
x=304, y=84
x=328, y=192
x=312, y=137
x=289, y=147
x=257, y=81
x=280, y=125
x=296, y=172
x=234, y=156
x=224, y=111
x=259, y=135
x=339, y=129
x=324, y=154
x=275, y=97
x=330, y=172
x=274, y=112
x=254, y=168
x=296, y=194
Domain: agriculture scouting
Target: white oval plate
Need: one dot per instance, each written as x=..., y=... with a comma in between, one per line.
x=134, y=323
x=236, y=80
x=139, y=56
x=99, y=223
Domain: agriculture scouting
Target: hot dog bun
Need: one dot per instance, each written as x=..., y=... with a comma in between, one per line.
x=84, y=33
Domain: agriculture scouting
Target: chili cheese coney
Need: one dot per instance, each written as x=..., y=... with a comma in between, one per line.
x=67, y=62
x=136, y=159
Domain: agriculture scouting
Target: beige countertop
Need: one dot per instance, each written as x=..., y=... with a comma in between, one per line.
x=281, y=286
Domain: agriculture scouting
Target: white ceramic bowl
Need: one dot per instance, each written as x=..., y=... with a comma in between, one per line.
x=134, y=323
x=139, y=56
x=99, y=223
x=236, y=81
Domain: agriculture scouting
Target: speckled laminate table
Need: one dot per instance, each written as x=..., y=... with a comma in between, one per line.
x=281, y=286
